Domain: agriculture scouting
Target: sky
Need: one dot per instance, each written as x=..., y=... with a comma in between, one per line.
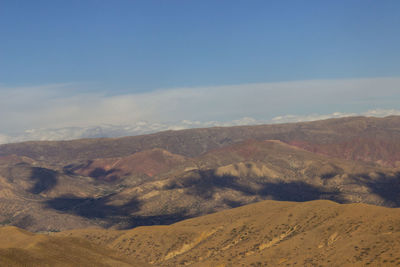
x=90, y=68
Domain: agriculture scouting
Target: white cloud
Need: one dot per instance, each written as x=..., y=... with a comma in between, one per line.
x=310, y=117
x=54, y=110
x=5, y=139
x=381, y=113
x=315, y=117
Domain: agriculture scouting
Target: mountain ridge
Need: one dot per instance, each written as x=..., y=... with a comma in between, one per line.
x=194, y=142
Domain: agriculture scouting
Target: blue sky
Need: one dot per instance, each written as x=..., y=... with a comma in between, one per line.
x=58, y=51
x=144, y=45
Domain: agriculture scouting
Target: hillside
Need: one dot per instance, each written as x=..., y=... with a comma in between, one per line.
x=268, y=233
x=147, y=163
x=158, y=187
x=21, y=248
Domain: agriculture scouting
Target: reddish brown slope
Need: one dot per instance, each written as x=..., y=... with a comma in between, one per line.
x=148, y=163
x=346, y=137
x=383, y=152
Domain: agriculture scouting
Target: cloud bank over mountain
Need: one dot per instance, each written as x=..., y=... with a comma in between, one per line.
x=314, y=117
x=142, y=127
x=69, y=111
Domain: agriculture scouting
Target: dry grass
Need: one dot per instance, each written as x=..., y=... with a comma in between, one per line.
x=269, y=233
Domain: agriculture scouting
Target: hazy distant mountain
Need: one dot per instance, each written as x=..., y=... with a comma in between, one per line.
x=357, y=138
x=109, y=130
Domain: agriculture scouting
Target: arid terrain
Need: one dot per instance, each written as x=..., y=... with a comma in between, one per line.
x=268, y=233
x=122, y=189
x=199, y=133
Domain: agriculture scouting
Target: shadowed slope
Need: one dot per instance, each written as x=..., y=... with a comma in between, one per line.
x=24, y=188
x=223, y=178
x=274, y=170
x=254, y=171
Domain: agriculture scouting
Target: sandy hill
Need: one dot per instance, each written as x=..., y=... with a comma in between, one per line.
x=268, y=233
x=21, y=248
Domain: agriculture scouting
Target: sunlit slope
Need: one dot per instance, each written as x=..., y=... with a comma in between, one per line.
x=268, y=233
x=21, y=248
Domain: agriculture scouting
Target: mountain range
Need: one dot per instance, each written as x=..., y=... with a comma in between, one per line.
x=121, y=188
